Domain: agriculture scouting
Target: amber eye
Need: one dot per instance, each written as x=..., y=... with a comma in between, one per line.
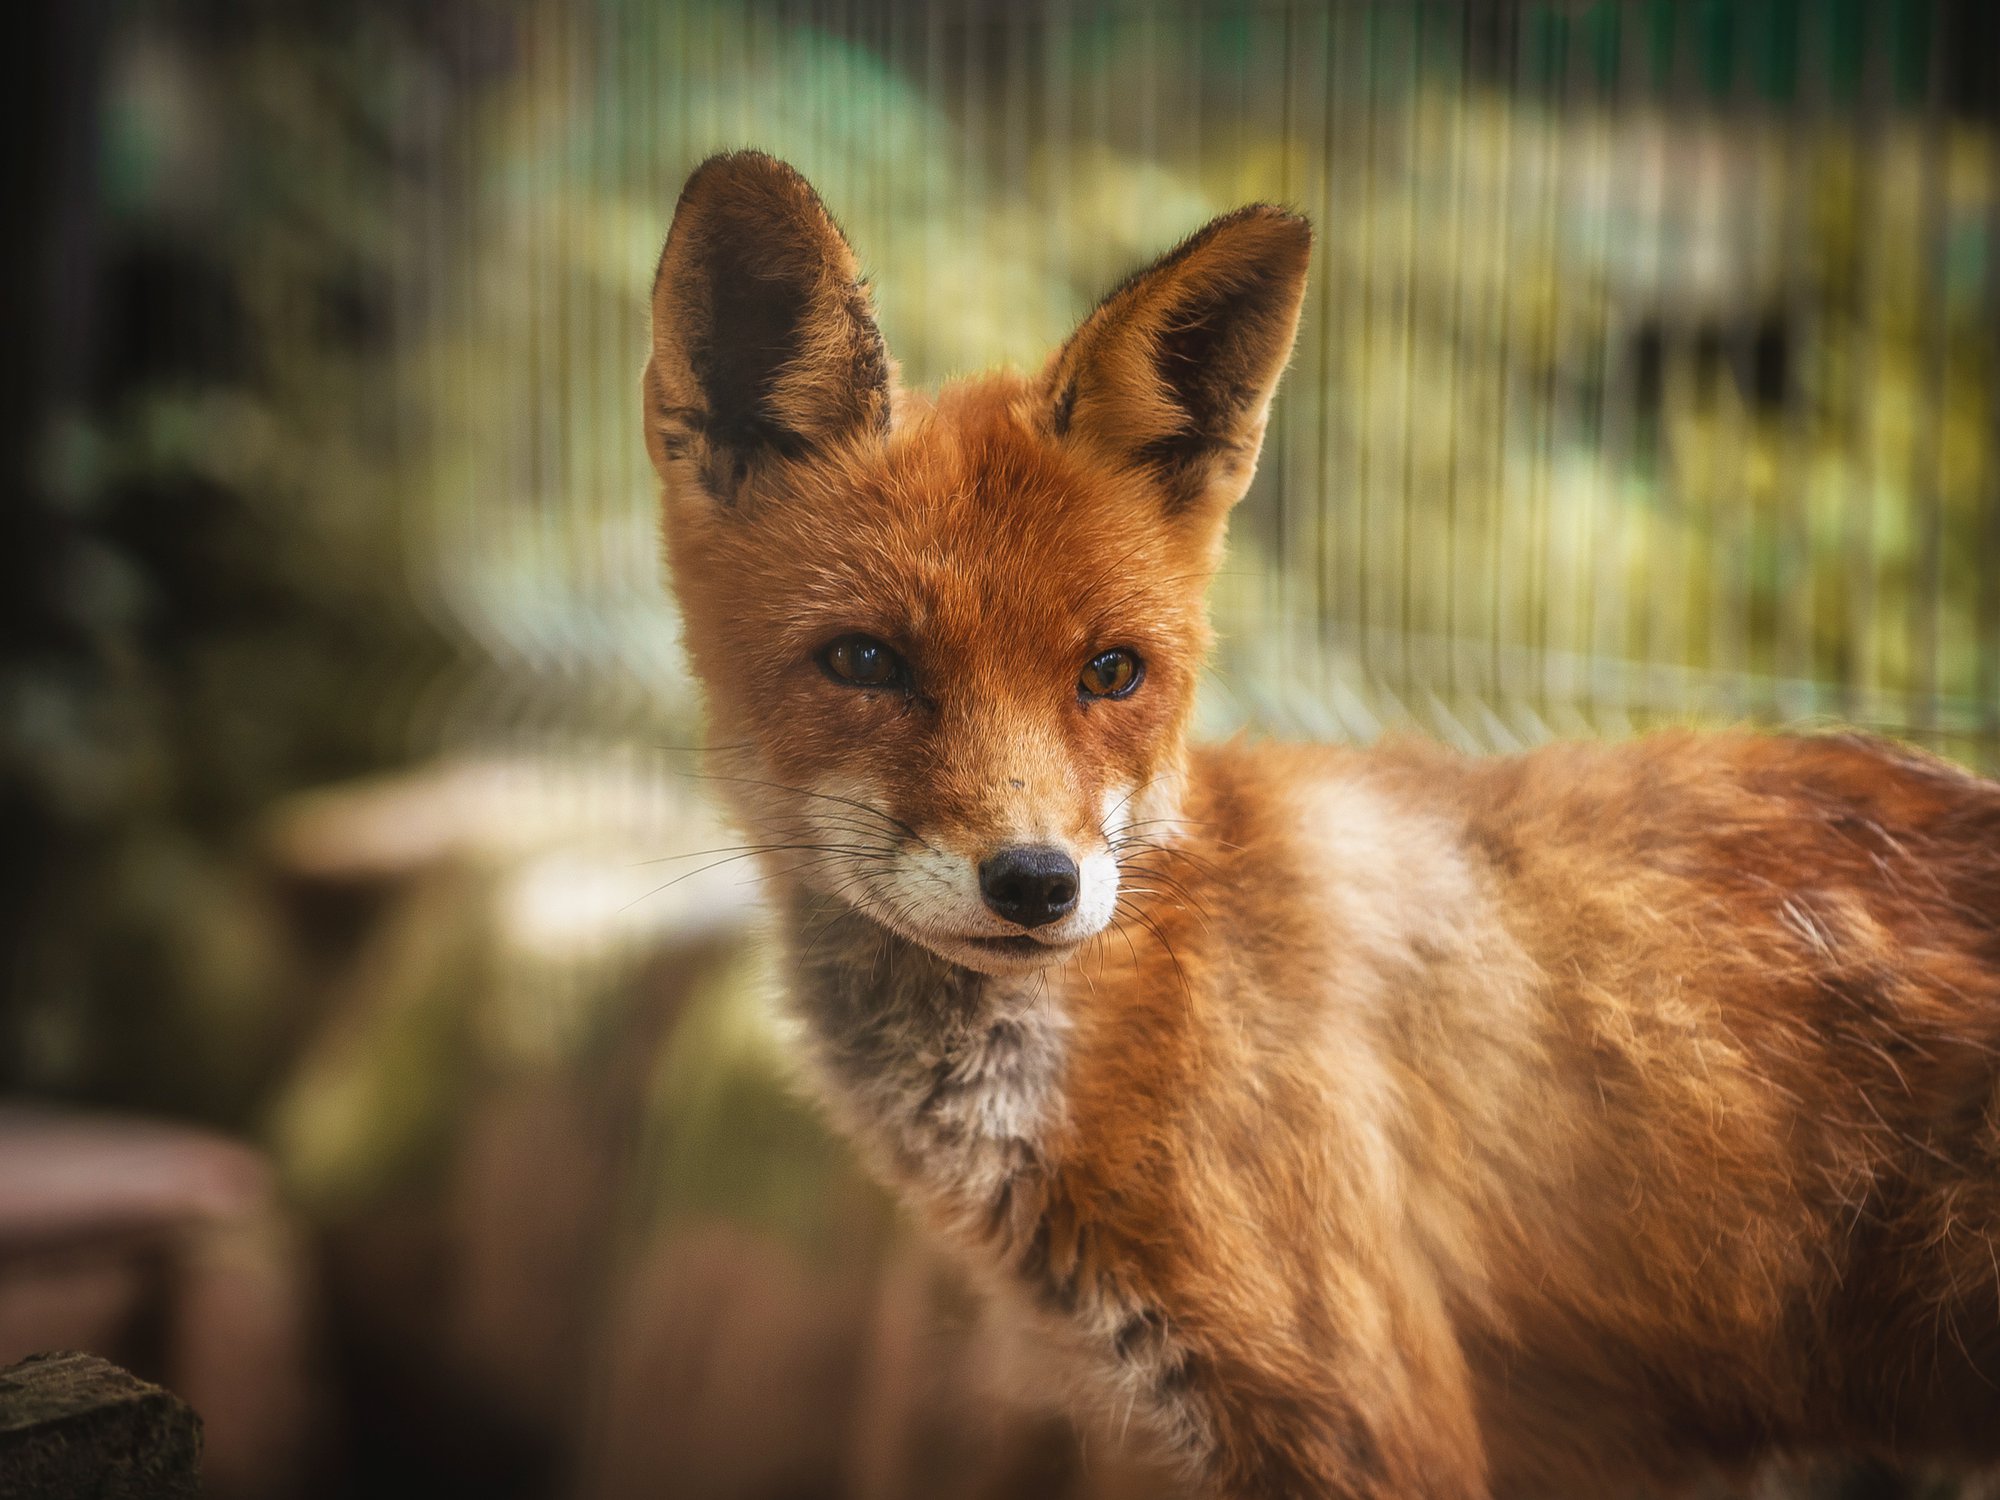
x=1110, y=674
x=863, y=661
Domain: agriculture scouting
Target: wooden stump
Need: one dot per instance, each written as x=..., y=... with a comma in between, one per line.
x=76, y=1427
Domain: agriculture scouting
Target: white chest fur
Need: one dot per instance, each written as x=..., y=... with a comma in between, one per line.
x=953, y=1080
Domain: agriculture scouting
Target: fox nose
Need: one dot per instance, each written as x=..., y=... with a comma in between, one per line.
x=1032, y=884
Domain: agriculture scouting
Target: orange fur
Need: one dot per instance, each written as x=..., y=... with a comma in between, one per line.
x=1413, y=1125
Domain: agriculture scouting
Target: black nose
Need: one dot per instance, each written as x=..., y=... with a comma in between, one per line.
x=1032, y=885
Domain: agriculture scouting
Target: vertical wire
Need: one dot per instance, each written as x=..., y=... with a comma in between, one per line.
x=889, y=259
x=861, y=74
x=1669, y=571
x=1579, y=476
x=611, y=476
x=1099, y=267
x=1796, y=577
x=1184, y=98
x=1456, y=417
x=1011, y=194
x=550, y=392
x=552, y=508
x=1690, y=318
x=1149, y=70
x=1408, y=280
x=1516, y=561
x=1734, y=136
x=448, y=514
x=1987, y=674
x=1580, y=480
x=540, y=294
x=1496, y=686
x=1864, y=350
x=1927, y=455
x=1310, y=509
x=553, y=503
x=973, y=126
x=1364, y=608
x=1058, y=152
x=899, y=96
x=1599, y=501
x=641, y=179
x=578, y=495
x=1283, y=497
x=933, y=211
x=1526, y=558
x=1549, y=352
x=1332, y=300
x=1608, y=633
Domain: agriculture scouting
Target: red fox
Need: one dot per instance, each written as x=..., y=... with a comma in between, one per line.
x=1364, y=1123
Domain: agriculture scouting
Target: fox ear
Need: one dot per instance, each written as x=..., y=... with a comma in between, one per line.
x=764, y=343
x=1175, y=370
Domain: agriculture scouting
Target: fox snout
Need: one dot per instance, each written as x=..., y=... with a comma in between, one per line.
x=997, y=904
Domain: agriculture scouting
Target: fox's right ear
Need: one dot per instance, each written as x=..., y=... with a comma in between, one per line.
x=764, y=343
x=1174, y=372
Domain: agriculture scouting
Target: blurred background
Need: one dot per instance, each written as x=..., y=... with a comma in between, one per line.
x=383, y=1062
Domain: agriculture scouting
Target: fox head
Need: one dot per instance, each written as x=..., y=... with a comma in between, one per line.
x=949, y=646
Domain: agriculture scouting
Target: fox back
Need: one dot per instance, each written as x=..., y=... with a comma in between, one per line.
x=1364, y=1123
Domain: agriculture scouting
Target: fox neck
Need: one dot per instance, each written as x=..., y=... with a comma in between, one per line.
x=955, y=1082
x=953, y=1079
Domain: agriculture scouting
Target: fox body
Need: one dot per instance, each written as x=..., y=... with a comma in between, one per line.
x=1367, y=1123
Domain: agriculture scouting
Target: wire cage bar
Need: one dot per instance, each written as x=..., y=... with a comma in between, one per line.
x=1648, y=371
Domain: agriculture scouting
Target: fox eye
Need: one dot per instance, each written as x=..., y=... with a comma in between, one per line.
x=863, y=661
x=1111, y=674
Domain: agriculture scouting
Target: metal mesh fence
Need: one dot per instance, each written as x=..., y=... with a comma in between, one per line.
x=1648, y=373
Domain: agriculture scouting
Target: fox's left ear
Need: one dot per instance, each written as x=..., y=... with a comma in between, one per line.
x=1175, y=370
x=764, y=344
